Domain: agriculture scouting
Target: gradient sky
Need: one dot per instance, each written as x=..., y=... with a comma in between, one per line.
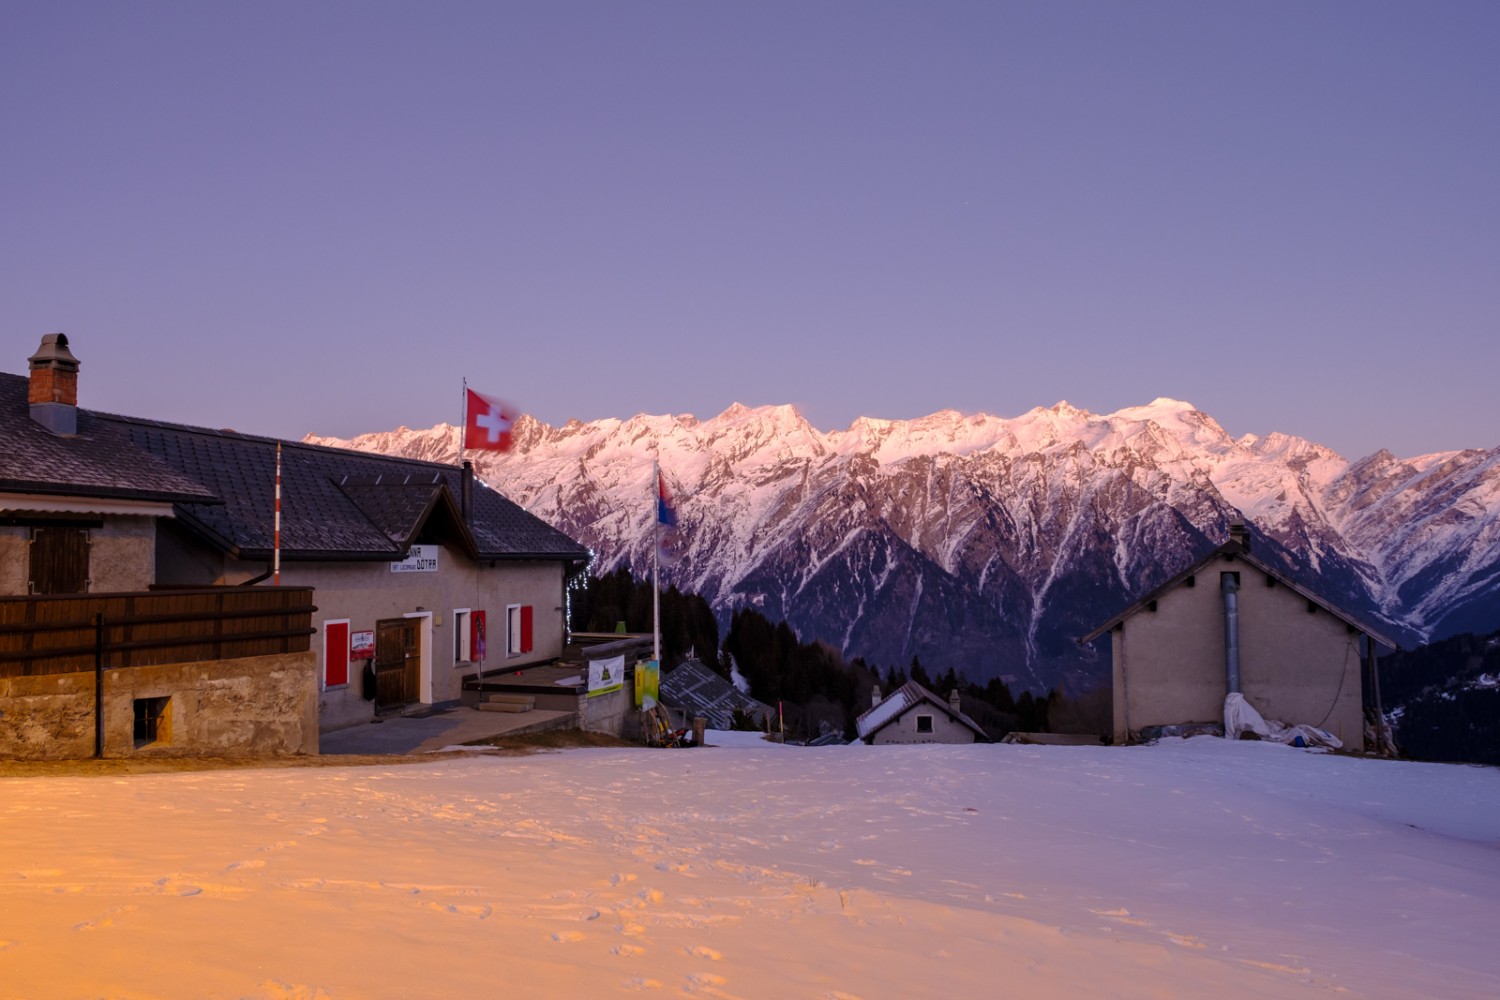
x=292, y=217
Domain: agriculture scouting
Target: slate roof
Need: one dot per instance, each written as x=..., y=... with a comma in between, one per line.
x=908, y=696
x=693, y=686
x=335, y=504
x=98, y=462
x=1241, y=552
x=338, y=504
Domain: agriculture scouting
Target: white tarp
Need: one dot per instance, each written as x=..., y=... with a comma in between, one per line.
x=1241, y=717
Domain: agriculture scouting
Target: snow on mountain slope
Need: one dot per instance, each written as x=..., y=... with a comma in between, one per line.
x=988, y=544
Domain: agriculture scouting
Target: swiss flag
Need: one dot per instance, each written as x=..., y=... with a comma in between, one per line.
x=487, y=423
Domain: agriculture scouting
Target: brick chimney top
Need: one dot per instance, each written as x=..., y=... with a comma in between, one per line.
x=953, y=700
x=53, y=389
x=1239, y=533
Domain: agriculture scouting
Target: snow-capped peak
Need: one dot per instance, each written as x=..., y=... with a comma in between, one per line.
x=978, y=541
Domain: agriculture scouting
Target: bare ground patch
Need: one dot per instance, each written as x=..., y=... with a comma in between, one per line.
x=557, y=739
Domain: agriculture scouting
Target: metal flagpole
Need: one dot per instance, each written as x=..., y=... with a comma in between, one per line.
x=655, y=561
x=463, y=422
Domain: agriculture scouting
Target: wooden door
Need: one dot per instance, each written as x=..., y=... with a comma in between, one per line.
x=398, y=663
x=59, y=560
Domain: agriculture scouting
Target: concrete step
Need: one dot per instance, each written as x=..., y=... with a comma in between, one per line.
x=512, y=699
x=517, y=707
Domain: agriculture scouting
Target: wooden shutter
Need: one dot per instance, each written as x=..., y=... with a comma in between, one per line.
x=525, y=628
x=335, y=654
x=59, y=560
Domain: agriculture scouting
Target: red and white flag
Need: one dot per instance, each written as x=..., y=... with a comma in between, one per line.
x=487, y=423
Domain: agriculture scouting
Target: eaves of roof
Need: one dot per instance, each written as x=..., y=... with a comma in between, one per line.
x=391, y=509
x=1235, y=550
x=81, y=489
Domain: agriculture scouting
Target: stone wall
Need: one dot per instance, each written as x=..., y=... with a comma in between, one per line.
x=252, y=706
x=122, y=555
x=607, y=713
x=15, y=559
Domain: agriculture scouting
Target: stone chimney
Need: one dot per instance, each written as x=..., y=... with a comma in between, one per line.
x=1239, y=533
x=953, y=700
x=53, y=391
x=874, y=695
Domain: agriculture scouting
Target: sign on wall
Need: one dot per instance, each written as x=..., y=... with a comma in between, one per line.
x=606, y=675
x=362, y=645
x=422, y=559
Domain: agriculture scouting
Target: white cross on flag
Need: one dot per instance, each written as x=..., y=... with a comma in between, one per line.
x=487, y=423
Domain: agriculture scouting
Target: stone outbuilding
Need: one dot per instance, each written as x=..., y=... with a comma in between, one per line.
x=1232, y=622
x=913, y=714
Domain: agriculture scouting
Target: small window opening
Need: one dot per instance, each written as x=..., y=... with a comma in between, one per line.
x=924, y=723
x=153, y=721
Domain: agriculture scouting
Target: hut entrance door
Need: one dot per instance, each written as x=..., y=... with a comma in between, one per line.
x=398, y=663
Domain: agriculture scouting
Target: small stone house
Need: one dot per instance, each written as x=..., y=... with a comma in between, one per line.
x=913, y=714
x=1232, y=622
x=80, y=512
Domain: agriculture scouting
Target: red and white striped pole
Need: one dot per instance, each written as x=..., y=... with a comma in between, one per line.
x=276, y=558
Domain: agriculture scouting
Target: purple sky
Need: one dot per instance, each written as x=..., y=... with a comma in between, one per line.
x=319, y=217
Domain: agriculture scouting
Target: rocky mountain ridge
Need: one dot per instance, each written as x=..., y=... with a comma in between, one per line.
x=989, y=544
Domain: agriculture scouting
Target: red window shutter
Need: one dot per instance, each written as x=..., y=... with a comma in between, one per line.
x=336, y=654
x=477, y=638
x=525, y=628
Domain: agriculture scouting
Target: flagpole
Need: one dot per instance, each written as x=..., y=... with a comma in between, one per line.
x=463, y=421
x=655, y=562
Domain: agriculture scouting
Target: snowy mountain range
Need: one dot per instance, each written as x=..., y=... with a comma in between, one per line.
x=989, y=544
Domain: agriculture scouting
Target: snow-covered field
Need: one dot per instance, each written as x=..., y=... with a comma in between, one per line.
x=1202, y=868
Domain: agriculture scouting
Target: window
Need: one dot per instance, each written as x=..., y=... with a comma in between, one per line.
x=924, y=723
x=463, y=642
x=518, y=629
x=336, y=653
x=153, y=721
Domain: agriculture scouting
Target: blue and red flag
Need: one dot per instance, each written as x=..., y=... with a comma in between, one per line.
x=665, y=513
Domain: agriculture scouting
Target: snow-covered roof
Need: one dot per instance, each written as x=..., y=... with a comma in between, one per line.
x=909, y=695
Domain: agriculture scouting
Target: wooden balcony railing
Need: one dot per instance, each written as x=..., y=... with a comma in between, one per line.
x=58, y=635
